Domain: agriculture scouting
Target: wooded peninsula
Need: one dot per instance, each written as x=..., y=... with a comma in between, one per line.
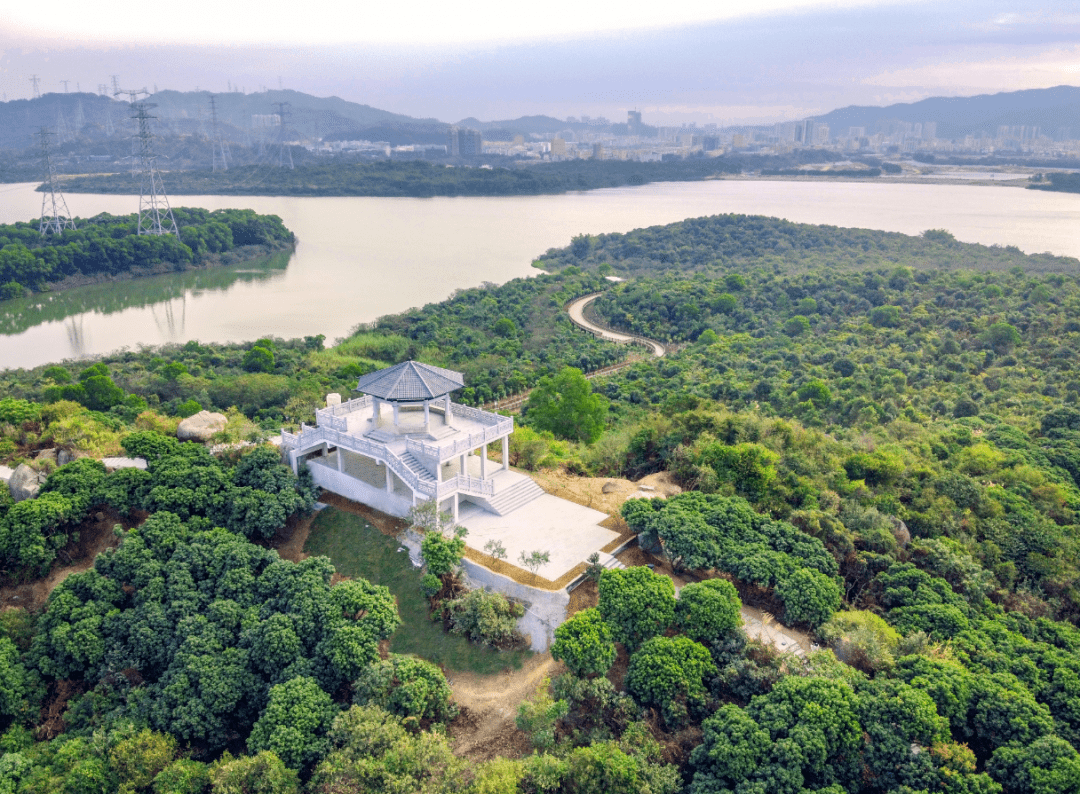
x=107, y=247
x=877, y=441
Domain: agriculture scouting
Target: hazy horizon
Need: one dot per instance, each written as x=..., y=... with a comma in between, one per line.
x=702, y=62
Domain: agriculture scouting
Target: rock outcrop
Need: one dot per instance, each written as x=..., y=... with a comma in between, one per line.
x=25, y=483
x=201, y=427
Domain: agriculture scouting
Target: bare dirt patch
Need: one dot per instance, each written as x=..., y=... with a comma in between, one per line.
x=95, y=535
x=290, y=539
x=584, y=596
x=589, y=491
x=485, y=729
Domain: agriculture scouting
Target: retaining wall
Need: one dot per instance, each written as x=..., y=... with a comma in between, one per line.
x=545, y=610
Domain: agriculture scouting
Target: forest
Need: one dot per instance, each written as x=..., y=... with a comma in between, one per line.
x=108, y=246
x=421, y=178
x=878, y=441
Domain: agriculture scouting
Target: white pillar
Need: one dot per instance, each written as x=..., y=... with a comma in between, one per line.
x=446, y=411
x=389, y=478
x=483, y=461
x=506, y=453
x=395, y=414
x=340, y=455
x=462, y=469
x=455, y=507
x=427, y=413
x=374, y=412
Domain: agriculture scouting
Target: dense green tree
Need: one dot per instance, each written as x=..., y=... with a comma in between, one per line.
x=708, y=611
x=566, y=406
x=670, y=672
x=294, y=723
x=636, y=603
x=406, y=686
x=584, y=643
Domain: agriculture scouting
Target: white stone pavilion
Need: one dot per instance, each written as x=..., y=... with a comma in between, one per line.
x=404, y=442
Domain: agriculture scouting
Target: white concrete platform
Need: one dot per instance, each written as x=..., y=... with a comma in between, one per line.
x=567, y=531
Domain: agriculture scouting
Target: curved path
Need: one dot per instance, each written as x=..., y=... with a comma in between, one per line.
x=576, y=310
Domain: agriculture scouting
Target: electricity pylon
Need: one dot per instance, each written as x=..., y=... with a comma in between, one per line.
x=155, y=214
x=218, y=144
x=284, y=111
x=54, y=211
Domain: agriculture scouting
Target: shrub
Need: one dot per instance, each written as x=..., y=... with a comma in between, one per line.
x=584, y=644
x=708, y=611
x=486, y=618
x=407, y=686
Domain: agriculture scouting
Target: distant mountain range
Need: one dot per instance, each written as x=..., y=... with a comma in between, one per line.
x=1056, y=111
x=246, y=118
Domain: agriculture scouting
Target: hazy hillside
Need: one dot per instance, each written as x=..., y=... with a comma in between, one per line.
x=1055, y=110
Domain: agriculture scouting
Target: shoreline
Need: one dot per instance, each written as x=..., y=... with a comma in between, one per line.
x=237, y=256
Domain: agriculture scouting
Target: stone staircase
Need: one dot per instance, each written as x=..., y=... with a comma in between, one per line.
x=610, y=562
x=510, y=499
x=417, y=467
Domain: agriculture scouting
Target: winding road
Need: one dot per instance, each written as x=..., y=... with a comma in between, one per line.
x=576, y=310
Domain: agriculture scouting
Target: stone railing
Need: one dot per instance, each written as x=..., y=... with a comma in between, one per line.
x=444, y=452
x=317, y=435
x=465, y=484
x=336, y=416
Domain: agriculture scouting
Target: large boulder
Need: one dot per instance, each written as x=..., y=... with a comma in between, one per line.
x=201, y=427
x=25, y=483
x=112, y=464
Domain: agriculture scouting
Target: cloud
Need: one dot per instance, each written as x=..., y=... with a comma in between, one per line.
x=982, y=73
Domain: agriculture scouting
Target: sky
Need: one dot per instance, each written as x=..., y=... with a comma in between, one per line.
x=675, y=62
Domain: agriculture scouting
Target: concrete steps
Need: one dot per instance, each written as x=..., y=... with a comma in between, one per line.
x=417, y=467
x=609, y=562
x=507, y=501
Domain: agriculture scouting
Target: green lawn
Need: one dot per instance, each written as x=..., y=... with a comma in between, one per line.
x=358, y=549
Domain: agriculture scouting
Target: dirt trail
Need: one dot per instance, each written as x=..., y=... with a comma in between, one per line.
x=489, y=704
x=95, y=536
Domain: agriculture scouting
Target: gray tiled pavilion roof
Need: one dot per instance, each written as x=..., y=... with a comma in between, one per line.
x=409, y=381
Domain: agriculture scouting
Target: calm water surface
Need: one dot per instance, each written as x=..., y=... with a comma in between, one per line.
x=359, y=258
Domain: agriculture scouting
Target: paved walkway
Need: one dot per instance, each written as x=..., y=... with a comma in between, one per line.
x=576, y=310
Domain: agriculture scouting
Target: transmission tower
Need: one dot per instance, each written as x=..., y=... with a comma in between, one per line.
x=115, y=84
x=64, y=83
x=35, y=80
x=155, y=214
x=284, y=112
x=218, y=144
x=80, y=120
x=54, y=211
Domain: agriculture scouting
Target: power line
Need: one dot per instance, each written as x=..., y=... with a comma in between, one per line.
x=284, y=112
x=155, y=214
x=218, y=144
x=54, y=211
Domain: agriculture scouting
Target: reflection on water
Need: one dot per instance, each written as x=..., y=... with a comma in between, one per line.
x=164, y=296
x=360, y=258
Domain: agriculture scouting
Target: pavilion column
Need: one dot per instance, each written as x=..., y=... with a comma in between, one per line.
x=463, y=470
x=395, y=414
x=446, y=411
x=374, y=412
x=389, y=478
x=506, y=453
x=483, y=461
x=427, y=413
x=455, y=507
x=340, y=455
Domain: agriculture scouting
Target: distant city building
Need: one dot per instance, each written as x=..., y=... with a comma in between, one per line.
x=598, y=151
x=558, y=147
x=710, y=143
x=633, y=121
x=465, y=142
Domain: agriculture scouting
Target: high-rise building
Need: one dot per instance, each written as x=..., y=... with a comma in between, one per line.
x=465, y=142
x=633, y=121
x=558, y=147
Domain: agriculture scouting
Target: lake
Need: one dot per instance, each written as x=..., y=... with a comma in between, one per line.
x=360, y=258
